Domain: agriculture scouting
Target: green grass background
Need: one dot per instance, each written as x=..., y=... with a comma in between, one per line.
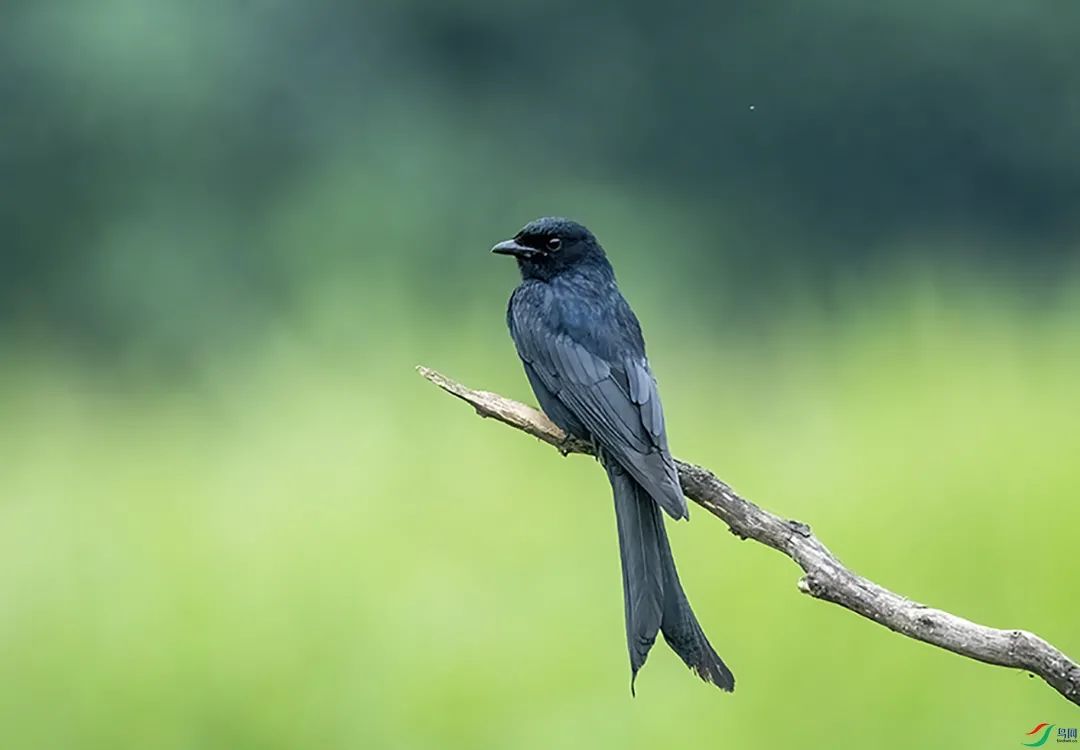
x=309, y=546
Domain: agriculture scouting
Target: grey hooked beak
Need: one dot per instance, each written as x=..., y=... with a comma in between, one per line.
x=513, y=247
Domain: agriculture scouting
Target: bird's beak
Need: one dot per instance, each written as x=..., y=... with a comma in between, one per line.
x=513, y=247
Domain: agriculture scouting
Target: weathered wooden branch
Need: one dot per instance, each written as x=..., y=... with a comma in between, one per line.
x=825, y=576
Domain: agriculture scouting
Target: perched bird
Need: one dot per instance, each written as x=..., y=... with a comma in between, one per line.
x=584, y=356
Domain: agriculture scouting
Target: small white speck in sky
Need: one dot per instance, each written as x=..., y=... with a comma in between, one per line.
x=751, y=106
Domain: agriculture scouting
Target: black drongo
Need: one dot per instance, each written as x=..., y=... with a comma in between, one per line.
x=585, y=359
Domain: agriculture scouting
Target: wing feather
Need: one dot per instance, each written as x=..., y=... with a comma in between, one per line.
x=617, y=402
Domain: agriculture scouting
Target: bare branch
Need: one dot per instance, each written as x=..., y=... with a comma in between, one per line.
x=825, y=576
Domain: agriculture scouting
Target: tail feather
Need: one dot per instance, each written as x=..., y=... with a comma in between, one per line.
x=653, y=597
x=682, y=630
x=642, y=568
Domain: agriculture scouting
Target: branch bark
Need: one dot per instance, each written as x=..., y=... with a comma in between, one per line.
x=825, y=576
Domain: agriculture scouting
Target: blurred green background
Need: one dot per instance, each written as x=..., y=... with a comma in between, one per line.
x=231, y=516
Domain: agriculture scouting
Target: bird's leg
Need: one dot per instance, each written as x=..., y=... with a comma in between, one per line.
x=598, y=452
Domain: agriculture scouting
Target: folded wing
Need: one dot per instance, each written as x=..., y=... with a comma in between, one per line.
x=617, y=401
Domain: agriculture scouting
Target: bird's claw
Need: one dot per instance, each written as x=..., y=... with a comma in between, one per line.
x=564, y=446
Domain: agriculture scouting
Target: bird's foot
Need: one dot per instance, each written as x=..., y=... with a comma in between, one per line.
x=565, y=446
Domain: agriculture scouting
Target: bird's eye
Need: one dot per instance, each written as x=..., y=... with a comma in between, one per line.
x=554, y=244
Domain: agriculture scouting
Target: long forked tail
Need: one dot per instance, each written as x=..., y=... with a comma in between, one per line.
x=653, y=597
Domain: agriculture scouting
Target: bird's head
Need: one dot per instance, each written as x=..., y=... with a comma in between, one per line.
x=546, y=247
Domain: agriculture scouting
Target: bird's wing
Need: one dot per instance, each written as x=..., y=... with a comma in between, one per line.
x=617, y=402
